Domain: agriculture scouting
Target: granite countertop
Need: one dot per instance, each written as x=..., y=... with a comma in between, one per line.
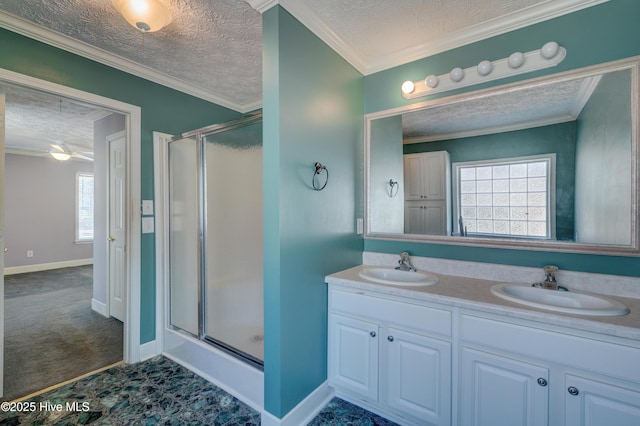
x=471, y=293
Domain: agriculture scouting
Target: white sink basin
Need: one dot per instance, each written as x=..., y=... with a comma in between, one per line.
x=397, y=277
x=571, y=302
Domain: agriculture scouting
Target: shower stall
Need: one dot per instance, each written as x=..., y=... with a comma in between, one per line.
x=215, y=238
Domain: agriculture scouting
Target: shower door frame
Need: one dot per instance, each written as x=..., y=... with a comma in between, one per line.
x=200, y=136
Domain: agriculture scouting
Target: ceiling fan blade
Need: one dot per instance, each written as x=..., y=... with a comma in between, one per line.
x=83, y=157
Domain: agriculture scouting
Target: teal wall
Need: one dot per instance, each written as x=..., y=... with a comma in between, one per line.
x=163, y=110
x=601, y=33
x=312, y=105
x=558, y=138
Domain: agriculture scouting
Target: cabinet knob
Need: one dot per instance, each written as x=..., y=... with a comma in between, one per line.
x=573, y=390
x=390, y=338
x=372, y=334
x=542, y=381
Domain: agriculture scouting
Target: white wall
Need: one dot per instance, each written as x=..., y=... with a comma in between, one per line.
x=40, y=216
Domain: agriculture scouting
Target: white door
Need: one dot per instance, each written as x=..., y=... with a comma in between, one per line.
x=1, y=244
x=117, y=216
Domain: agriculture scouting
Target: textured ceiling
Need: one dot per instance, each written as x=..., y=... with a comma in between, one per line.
x=378, y=30
x=213, y=48
x=35, y=120
x=511, y=110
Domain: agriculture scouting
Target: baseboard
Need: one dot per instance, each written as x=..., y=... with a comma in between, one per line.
x=148, y=350
x=99, y=307
x=46, y=266
x=305, y=411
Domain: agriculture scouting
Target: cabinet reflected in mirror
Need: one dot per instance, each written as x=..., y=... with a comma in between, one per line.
x=549, y=163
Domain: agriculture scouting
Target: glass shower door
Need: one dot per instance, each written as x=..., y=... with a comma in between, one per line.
x=184, y=235
x=233, y=284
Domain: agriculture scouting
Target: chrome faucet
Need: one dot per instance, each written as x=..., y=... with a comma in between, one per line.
x=550, y=282
x=404, y=264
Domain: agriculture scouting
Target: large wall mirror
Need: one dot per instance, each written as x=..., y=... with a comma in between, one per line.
x=549, y=163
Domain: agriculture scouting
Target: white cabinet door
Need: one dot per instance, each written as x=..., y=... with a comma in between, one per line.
x=413, y=177
x=428, y=217
x=592, y=403
x=425, y=176
x=434, y=175
x=353, y=355
x=418, y=376
x=414, y=218
x=500, y=391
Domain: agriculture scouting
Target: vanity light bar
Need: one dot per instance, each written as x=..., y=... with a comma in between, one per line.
x=551, y=54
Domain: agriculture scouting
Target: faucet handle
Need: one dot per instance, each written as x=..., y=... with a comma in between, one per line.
x=550, y=271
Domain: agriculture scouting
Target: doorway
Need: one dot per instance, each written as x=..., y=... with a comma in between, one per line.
x=131, y=191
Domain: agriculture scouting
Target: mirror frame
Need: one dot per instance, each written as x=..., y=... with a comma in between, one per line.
x=632, y=64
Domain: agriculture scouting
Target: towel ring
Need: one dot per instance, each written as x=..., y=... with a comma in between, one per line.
x=320, y=170
x=393, y=184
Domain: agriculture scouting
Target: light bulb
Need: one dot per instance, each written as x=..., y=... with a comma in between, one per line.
x=408, y=87
x=549, y=50
x=431, y=81
x=516, y=60
x=485, y=68
x=456, y=74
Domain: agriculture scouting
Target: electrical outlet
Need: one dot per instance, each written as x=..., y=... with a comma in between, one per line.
x=360, y=226
x=29, y=253
x=147, y=207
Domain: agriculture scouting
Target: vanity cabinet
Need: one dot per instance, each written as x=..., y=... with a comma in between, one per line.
x=512, y=373
x=427, y=206
x=394, y=357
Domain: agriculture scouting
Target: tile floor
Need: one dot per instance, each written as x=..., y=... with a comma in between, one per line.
x=157, y=392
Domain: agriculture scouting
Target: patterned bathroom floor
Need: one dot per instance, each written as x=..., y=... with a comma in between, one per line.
x=156, y=392
x=342, y=413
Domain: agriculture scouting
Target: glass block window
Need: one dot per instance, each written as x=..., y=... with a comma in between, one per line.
x=84, y=207
x=511, y=197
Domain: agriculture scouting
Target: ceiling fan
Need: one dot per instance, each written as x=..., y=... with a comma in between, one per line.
x=64, y=152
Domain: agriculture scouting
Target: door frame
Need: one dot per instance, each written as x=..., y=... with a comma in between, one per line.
x=133, y=117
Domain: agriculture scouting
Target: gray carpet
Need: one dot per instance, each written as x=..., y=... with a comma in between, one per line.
x=51, y=333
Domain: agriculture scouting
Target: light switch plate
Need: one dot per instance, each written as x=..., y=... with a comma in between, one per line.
x=147, y=207
x=147, y=225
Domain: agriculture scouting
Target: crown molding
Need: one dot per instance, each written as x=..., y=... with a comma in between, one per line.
x=310, y=19
x=262, y=5
x=491, y=130
x=523, y=18
x=61, y=41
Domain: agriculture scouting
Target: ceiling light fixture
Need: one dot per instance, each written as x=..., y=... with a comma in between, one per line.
x=549, y=55
x=145, y=15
